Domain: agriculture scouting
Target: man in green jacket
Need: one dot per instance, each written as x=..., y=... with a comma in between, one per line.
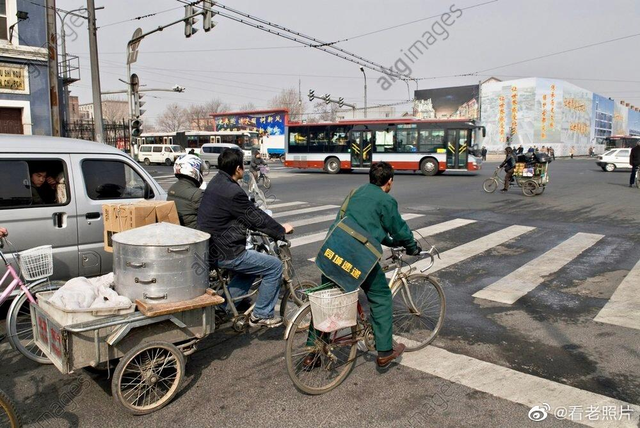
x=186, y=192
x=376, y=211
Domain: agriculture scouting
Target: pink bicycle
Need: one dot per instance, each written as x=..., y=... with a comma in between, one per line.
x=36, y=266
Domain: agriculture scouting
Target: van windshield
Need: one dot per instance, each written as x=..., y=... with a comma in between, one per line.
x=177, y=149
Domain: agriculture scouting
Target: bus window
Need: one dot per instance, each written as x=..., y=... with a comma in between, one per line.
x=407, y=140
x=339, y=142
x=431, y=140
x=318, y=139
x=298, y=141
x=384, y=141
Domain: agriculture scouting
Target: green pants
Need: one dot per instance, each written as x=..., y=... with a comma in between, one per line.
x=381, y=306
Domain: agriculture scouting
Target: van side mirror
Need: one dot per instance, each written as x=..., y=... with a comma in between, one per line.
x=148, y=191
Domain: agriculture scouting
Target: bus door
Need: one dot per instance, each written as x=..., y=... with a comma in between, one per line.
x=457, y=148
x=361, y=148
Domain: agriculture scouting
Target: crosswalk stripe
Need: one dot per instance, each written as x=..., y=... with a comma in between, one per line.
x=313, y=220
x=515, y=386
x=527, y=277
x=304, y=211
x=623, y=308
x=286, y=204
x=443, y=227
x=473, y=248
x=308, y=239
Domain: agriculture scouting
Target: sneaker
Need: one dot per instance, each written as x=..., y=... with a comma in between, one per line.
x=275, y=321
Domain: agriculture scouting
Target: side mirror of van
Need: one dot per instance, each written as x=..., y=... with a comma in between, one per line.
x=148, y=191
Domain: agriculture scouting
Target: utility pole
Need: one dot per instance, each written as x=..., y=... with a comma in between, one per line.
x=365, y=91
x=52, y=39
x=95, y=72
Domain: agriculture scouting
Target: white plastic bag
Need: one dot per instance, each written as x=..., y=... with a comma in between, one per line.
x=108, y=298
x=77, y=293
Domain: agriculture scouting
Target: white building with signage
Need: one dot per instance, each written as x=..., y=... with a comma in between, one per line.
x=25, y=106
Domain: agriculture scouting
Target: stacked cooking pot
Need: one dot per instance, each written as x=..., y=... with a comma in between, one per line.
x=161, y=263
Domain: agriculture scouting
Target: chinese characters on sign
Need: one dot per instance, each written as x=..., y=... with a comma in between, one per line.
x=12, y=78
x=543, y=133
x=576, y=105
x=345, y=265
x=552, y=115
x=579, y=127
x=501, y=118
x=514, y=110
x=269, y=124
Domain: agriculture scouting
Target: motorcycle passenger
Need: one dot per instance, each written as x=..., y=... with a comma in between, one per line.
x=226, y=213
x=509, y=165
x=256, y=162
x=186, y=192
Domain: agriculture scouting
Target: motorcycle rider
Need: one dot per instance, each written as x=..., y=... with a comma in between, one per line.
x=186, y=192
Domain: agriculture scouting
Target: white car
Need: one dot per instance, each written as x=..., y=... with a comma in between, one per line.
x=614, y=159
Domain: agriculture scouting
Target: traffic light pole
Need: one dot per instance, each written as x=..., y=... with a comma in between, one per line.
x=328, y=100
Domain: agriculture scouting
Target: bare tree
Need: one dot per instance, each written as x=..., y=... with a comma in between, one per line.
x=198, y=117
x=288, y=99
x=174, y=118
x=248, y=107
x=323, y=112
x=216, y=105
x=114, y=109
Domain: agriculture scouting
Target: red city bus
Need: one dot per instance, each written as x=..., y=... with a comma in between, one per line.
x=429, y=146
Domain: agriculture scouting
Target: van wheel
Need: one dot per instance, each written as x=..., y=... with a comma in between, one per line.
x=610, y=167
x=168, y=162
x=429, y=167
x=147, y=161
x=332, y=165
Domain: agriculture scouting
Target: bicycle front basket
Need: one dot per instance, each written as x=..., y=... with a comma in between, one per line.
x=36, y=263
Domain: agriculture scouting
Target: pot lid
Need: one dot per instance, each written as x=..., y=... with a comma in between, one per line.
x=160, y=234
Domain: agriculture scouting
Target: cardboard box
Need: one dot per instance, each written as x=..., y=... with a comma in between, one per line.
x=121, y=217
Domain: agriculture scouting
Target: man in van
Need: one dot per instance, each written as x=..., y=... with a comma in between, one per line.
x=186, y=191
x=42, y=185
x=226, y=213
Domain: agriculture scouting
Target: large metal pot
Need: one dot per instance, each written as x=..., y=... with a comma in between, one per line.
x=161, y=263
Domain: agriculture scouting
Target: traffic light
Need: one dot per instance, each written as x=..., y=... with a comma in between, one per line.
x=327, y=99
x=341, y=102
x=207, y=14
x=189, y=21
x=136, y=128
x=312, y=95
x=137, y=104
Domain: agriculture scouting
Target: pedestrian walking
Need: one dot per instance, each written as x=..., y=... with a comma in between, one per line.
x=572, y=151
x=530, y=149
x=552, y=152
x=484, y=153
x=634, y=161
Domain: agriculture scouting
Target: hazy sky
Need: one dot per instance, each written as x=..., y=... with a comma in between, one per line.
x=239, y=64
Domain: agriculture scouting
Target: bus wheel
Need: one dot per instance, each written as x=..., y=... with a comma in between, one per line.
x=332, y=165
x=429, y=167
x=147, y=161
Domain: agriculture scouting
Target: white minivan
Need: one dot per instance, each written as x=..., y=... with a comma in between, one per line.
x=159, y=153
x=66, y=211
x=614, y=159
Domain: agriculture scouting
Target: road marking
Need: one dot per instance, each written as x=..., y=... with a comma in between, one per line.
x=164, y=176
x=623, y=308
x=286, y=204
x=308, y=239
x=473, y=248
x=443, y=227
x=527, y=277
x=515, y=386
x=313, y=220
x=304, y=211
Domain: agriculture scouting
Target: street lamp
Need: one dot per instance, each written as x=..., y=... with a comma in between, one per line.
x=365, y=91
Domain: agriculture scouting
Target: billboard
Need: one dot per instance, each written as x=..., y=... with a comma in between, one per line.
x=444, y=103
x=577, y=108
x=602, y=115
x=270, y=123
x=634, y=122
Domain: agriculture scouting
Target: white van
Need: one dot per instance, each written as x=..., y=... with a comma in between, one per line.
x=209, y=152
x=66, y=215
x=614, y=159
x=159, y=153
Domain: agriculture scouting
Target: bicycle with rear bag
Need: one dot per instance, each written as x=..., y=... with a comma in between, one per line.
x=36, y=266
x=418, y=314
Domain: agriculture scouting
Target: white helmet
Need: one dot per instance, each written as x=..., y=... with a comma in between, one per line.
x=189, y=166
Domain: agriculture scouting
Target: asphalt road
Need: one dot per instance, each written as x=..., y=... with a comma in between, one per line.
x=560, y=257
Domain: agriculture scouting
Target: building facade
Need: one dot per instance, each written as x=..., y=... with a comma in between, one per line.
x=25, y=106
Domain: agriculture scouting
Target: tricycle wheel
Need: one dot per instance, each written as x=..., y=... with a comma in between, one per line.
x=541, y=190
x=530, y=188
x=148, y=377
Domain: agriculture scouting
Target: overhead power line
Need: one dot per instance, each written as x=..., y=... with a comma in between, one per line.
x=138, y=18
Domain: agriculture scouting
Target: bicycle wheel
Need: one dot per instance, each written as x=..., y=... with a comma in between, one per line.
x=334, y=356
x=418, y=311
x=19, y=329
x=267, y=182
x=148, y=377
x=490, y=185
x=291, y=303
x=529, y=188
x=8, y=415
x=638, y=179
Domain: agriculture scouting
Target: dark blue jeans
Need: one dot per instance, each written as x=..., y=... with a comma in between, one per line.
x=634, y=171
x=246, y=268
